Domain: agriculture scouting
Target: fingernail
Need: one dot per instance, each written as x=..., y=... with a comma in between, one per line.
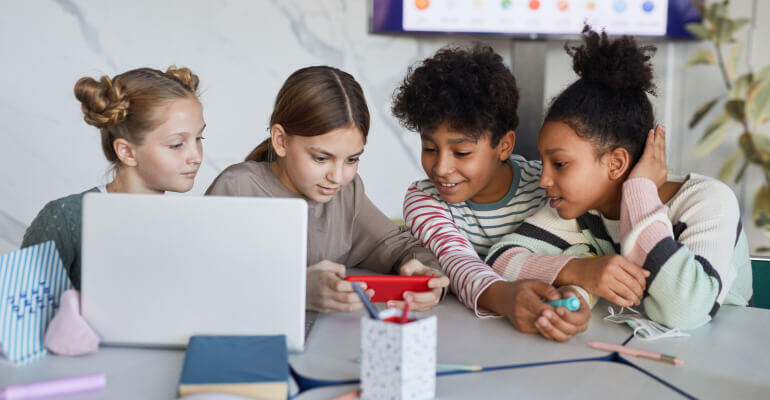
x=560, y=311
x=542, y=322
x=548, y=314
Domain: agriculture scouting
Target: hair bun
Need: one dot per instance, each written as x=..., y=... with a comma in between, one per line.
x=617, y=64
x=104, y=102
x=184, y=75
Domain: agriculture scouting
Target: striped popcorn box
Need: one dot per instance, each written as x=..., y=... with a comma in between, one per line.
x=31, y=282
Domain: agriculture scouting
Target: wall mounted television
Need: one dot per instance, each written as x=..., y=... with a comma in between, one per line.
x=535, y=19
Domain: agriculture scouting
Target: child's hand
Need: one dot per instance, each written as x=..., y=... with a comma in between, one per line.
x=652, y=164
x=612, y=277
x=522, y=301
x=562, y=324
x=327, y=292
x=422, y=301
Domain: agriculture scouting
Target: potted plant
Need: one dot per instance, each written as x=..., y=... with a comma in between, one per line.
x=745, y=104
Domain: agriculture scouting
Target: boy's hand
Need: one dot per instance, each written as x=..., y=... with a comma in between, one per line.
x=652, y=164
x=422, y=301
x=613, y=277
x=561, y=324
x=327, y=292
x=521, y=301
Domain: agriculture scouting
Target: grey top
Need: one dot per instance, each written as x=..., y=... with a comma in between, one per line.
x=348, y=229
x=61, y=220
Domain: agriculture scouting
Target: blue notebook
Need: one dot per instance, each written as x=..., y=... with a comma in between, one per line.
x=250, y=366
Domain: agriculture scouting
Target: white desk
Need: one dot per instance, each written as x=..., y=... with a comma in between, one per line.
x=132, y=373
x=582, y=380
x=727, y=358
x=333, y=344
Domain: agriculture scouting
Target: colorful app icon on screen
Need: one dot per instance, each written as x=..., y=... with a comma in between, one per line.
x=619, y=6
x=534, y=4
x=562, y=5
x=421, y=4
x=648, y=6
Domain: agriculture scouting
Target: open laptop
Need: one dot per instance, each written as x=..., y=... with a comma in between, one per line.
x=157, y=269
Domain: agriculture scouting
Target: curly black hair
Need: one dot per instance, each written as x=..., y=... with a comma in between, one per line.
x=608, y=105
x=469, y=89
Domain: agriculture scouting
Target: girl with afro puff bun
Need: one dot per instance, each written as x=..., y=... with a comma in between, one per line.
x=615, y=226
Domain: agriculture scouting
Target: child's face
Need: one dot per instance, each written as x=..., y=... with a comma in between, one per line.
x=575, y=180
x=317, y=167
x=170, y=155
x=463, y=168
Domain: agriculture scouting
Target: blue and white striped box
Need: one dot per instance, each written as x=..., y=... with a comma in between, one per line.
x=31, y=282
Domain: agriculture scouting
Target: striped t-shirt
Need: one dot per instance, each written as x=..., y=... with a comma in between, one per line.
x=461, y=234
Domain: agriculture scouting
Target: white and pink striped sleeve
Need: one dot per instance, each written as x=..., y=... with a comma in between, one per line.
x=644, y=219
x=430, y=221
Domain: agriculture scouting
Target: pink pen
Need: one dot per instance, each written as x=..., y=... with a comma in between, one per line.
x=76, y=384
x=405, y=313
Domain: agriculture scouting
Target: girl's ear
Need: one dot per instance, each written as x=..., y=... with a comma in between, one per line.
x=125, y=151
x=618, y=163
x=505, y=147
x=278, y=138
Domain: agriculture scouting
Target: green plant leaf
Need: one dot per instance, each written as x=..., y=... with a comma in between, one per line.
x=763, y=74
x=723, y=31
x=733, y=60
x=739, y=23
x=702, y=111
x=701, y=57
x=727, y=168
x=717, y=10
x=756, y=148
x=713, y=135
x=698, y=30
x=735, y=108
x=761, y=212
x=742, y=170
x=741, y=87
x=758, y=103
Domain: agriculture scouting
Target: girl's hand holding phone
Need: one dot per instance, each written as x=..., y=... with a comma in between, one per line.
x=326, y=291
x=422, y=301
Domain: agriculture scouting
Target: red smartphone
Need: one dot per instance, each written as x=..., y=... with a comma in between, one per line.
x=392, y=287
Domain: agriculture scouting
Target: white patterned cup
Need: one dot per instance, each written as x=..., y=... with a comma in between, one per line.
x=398, y=361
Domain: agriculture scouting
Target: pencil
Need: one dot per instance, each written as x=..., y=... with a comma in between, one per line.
x=457, y=367
x=635, y=352
x=365, y=299
x=349, y=396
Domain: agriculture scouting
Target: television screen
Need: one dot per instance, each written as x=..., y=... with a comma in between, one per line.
x=534, y=18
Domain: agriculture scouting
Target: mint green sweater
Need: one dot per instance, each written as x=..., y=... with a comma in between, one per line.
x=61, y=220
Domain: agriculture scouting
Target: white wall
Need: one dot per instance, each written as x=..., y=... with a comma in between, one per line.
x=242, y=50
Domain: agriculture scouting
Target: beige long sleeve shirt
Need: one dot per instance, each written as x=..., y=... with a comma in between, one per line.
x=348, y=229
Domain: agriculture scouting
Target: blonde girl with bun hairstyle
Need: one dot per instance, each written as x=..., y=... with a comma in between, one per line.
x=150, y=124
